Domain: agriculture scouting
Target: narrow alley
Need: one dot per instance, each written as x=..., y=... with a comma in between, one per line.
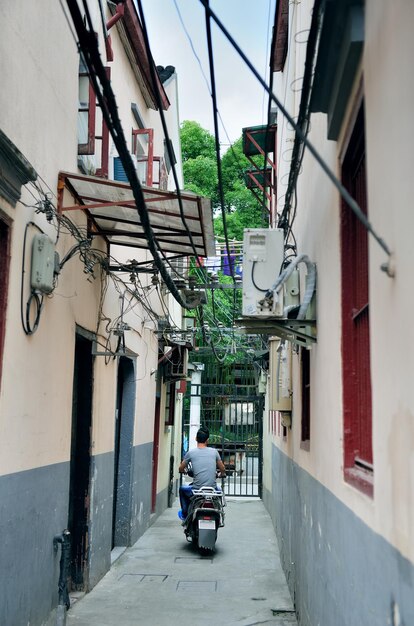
x=162, y=580
x=206, y=218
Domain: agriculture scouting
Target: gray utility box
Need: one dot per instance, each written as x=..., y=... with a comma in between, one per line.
x=43, y=264
x=263, y=250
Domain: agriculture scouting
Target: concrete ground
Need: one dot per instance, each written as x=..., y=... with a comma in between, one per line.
x=163, y=581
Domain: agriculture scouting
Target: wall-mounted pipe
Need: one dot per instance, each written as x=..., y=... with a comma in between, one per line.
x=65, y=557
x=119, y=12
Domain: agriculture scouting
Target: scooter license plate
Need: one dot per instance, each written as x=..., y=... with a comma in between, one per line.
x=206, y=524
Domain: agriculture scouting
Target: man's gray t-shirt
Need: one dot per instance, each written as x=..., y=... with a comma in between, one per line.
x=204, y=462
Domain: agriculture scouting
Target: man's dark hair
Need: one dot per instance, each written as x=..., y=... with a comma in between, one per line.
x=202, y=435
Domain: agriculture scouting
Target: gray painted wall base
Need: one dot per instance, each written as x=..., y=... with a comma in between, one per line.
x=34, y=508
x=340, y=573
x=141, y=491
x=100, y=526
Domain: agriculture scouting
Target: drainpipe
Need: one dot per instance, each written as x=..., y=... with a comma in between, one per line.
x=120, y=8
x=195, y=403
x=65, y=557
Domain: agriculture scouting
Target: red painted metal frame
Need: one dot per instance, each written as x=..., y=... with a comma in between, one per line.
x=273, y=183
x=356, y=369
x=158, y=195
x=261, y=151
x=259, y=185
x=4, y=280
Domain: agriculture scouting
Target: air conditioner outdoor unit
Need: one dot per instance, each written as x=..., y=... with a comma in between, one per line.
x=263, y=253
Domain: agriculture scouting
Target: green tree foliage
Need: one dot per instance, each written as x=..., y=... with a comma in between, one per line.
x=196, y=141
x=200, y=176
x=242, y=210
x=233, y=165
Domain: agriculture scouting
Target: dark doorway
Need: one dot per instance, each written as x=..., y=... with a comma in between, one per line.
x=123, y=448
x=80, y=460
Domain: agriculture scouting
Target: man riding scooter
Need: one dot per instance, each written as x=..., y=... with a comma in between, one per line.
x=204, y=464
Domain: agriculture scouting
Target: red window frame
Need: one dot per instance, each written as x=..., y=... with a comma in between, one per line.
x=89, y=148
x=356, y=367
x=149, y=158
x=4, y=281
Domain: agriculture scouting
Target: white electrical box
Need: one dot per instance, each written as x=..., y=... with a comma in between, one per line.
x=280, y=370
x=263, y=253
x=43, y=264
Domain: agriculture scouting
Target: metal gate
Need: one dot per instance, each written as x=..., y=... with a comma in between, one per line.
x=232, y=410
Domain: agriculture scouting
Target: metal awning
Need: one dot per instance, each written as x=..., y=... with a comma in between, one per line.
x=110, y=205
x=258, y=140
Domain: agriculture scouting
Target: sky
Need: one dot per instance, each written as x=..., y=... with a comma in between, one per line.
x=240, y=97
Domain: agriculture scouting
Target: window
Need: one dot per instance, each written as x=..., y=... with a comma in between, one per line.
x=4, y=276
x=143, y=149
x=86, y=112
x=90, y=118
x=305, y=384
x=356, y=369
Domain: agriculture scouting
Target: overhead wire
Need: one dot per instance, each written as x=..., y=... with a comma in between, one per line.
x=88, y=45
x=217, y=146
x=350, y=201
x=88, y=255
x=209, y=89
x=267, y=53
x=216, y=114
x=154, y=78
x=286, y=220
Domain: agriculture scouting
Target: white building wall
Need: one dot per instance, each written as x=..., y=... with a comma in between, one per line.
x=38, y=113
x=389, y=92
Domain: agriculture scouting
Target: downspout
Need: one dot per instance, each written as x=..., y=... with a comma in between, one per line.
x=65, y=558
x=119, y=12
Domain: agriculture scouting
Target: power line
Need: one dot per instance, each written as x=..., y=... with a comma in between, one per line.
x=216, y=137
x=339, y=186
x=103, y=90
x=164, y=124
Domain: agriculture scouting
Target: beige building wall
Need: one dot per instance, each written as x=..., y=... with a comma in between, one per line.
x=35, y=427
x=389, y=91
